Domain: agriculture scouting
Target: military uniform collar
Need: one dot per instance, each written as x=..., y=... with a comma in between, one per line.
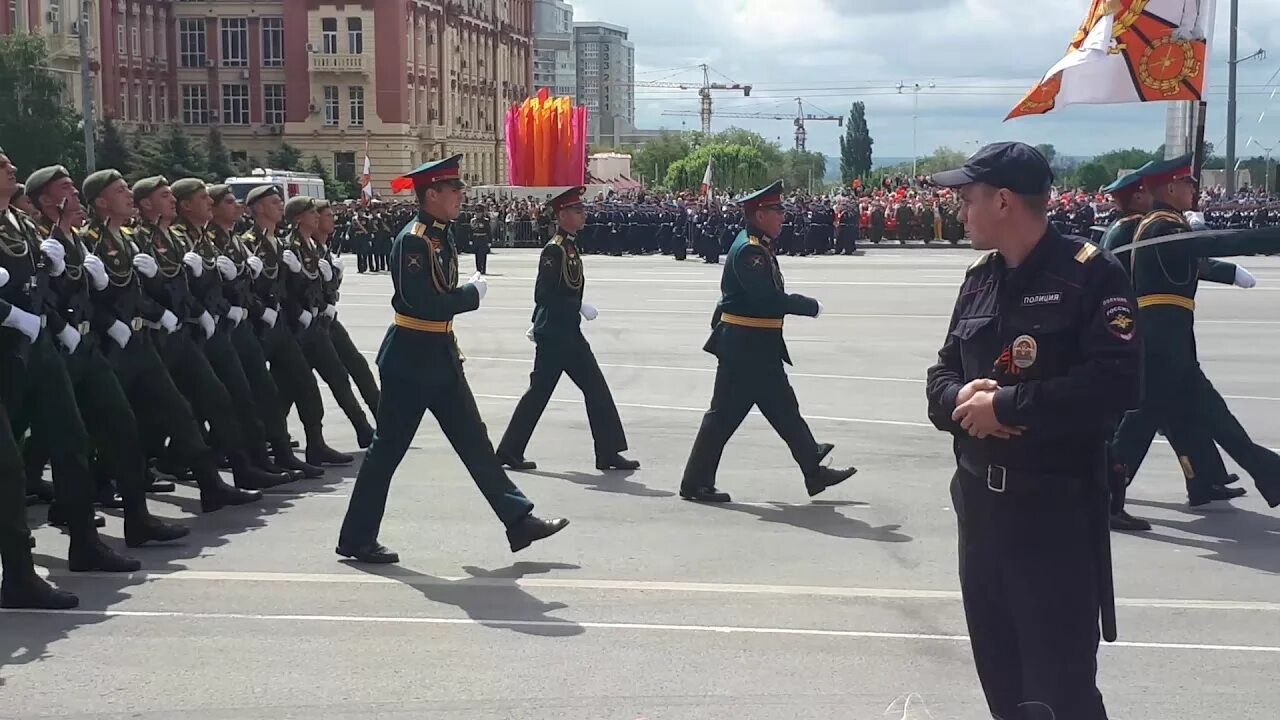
x=566, y=234
x=1017, y=277
x=434, y=225
x=754, y=232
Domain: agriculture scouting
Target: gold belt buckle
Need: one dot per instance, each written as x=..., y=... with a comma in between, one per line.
x=84, y=327
x=136, y=324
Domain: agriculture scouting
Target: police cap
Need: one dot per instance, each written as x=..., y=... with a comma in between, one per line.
x=1012, y=166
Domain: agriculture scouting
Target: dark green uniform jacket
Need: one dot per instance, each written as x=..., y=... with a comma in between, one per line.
x=557, y=294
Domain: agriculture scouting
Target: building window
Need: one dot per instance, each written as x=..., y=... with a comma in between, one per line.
x=344, y=166
x=55, y=17
x=162, y=94
x=124, y=100
x=135, y=44
x=162, y=44
x=329, y=34
x=191, y=43
x=149, y=37
x=355, y=36
x=273, y=42
x=195, y=105
x=273, y=104
x=137, y=101
x=13, y=15
x=120, y=46
x=331, y=105
x=235, y=42
x=235, y=104
x=357, y=105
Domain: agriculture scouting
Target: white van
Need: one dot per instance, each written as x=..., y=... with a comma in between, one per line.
x=291, y=184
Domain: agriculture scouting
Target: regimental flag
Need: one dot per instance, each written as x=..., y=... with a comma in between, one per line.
x=707, y=176
x=366, y=179
x=1129, y=51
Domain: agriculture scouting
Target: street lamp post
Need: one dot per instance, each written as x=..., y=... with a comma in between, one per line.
x=915, y=89
x=1231, y=171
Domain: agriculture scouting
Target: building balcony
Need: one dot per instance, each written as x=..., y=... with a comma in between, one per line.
x=323, y=63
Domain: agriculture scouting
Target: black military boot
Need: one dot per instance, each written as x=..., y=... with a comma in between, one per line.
x=248, y=477
x=286, y=459
x=825, y=477
x=89, y=554
x=58, y=517
x=216, y=494
x=1198, y=494
x=42, y=489
x=318, y=453
x=261, y=459
x=531, y=529
x=141, y=527
x=22, y=588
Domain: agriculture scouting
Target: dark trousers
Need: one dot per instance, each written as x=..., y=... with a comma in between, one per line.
x=14, y=533
x=194, y=376
x=111, y=422
x=482, y=262
x=1029, y=583
x=445, y=392
x=570, y=356
x=263, y=386
x=364, y=255
x=292, y=374
x=320, y=354
x=226, y=364
x=739, y=386
x=356, y=364
x=161, y=409
x=1259, y=462
x=37, y=391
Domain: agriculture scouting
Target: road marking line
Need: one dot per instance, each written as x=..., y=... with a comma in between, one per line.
x=414, y=580
x=571, y=625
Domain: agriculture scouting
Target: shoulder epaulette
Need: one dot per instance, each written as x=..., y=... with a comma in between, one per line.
x=124, y=230
x=439, y=225
x=753, y=240
x=419, y=229
x=980, y=261
x=1087, y=251
x=557, y=240
x=1160, y=216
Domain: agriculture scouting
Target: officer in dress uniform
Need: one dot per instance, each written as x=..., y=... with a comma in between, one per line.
x=480, y=241
x=1178, y=397
x=289, y=365
x=305, y=269
x=105, y=408
x=160, y=408
x=1040, y=359
x=352, y=359
x=237, y=289
x=184, y=349
x=746, y=337
x=557, y=317
x=421, y=369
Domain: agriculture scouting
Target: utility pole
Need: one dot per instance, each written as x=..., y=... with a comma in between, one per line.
x=86, y=87
x=915, y=117
x=1232, y=62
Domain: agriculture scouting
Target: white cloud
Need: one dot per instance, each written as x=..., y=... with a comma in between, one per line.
x=981, y=54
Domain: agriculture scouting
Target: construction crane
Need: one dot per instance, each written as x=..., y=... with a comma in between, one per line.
x=704, y=92
x=799, y=119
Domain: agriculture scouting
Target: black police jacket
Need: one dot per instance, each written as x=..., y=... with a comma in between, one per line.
x=1059, y=334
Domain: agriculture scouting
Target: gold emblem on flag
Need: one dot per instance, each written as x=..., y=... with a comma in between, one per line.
x=1166, y=64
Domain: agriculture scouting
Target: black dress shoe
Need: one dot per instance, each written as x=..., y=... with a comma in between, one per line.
x=151, y=529
x=221, y=495
x=33, y=593
x=364, y=435
x=532, y=529
x=1270, y=489
x=165, y=470
x=33, y=499
x=1124, y=522
x=1234, y=492
x=161, y=486
x=375, y=554
x=705, y=495
x=616, y=462
x=1232, y=479
x=294, y=444
x=1204, y=495
x=518, y=464
x=827, y=477
x=324, y=455
x=291, y=463
x=98, y=556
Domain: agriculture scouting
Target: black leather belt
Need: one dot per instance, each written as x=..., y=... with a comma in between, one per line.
x=1002, y=480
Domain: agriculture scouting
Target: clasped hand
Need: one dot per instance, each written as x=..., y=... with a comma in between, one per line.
x=976, y=411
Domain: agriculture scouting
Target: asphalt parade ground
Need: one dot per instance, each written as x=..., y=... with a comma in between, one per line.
x=774, y=607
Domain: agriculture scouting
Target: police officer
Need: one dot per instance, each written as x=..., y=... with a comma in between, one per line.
x=1040, y=359
x=421, y=370
x=557, y=317
x=746, y=337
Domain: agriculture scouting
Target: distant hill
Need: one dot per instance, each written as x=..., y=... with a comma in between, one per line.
x=833, y=165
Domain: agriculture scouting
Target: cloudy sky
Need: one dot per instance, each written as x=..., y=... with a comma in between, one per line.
x=981, y=55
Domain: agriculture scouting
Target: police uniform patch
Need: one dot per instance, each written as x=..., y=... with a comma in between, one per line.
x=1118, y=316
x=1052, y=298
x=413, y=262
x=1024, y=351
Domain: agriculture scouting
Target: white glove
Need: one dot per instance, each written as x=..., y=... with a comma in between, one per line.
x=4, y=277
x=819, y=313
x=330, y=311
x=326, y=270
x=207, y=324
x=169, y=321
x=145, y=264
x=97, y=271
x=589, y=312
x=1196, y=220
x=194, y=262
x=337, y=263
x=226, y=267
x=481, y=285
x=56, y=254
x=529, y=334
x=1244, y=278
x=305, y=319
x=120, y=333
x=235, y=315
x=291, y=261
x=69, y=338
x=24, y=322
x=255, y=265
x=269, y=317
